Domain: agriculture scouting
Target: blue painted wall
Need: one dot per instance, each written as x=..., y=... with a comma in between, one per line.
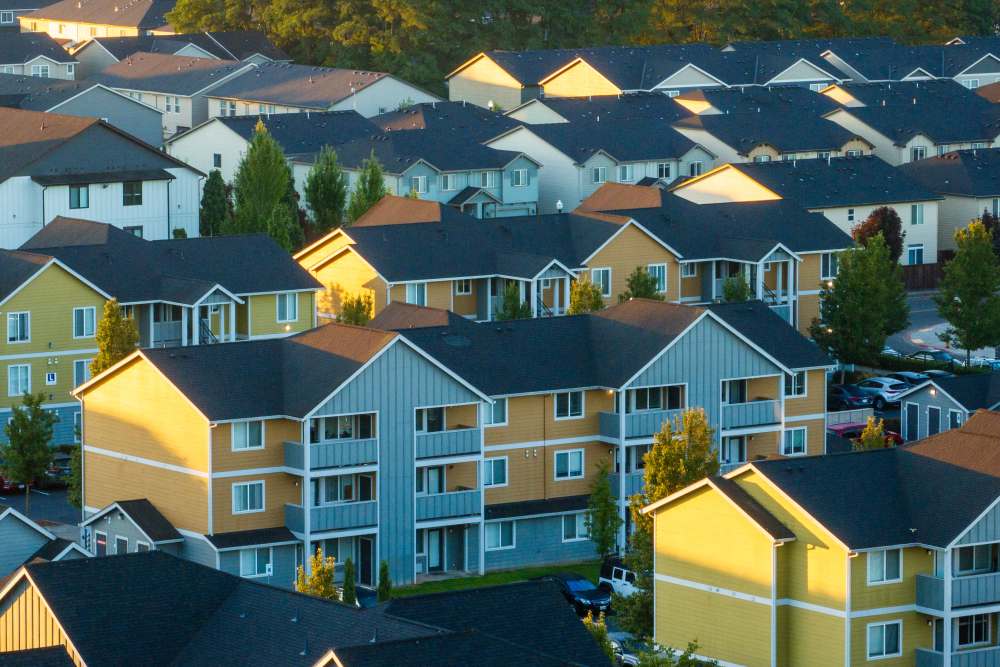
x=923, y=399
x=17, y=542
x=282, y=562
x=539, y=542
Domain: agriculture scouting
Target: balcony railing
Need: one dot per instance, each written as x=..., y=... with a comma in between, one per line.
x=452, y=504
x=344, y=516
x=449, y=443
x=729, y=467
x=930, y=592
x=988, y=656
x=634, y=482
x=637, y=424
x=336, y=454
x=966, y=591
x=754, y=413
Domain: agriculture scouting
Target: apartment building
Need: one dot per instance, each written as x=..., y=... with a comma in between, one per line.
x=942, y=404
x=769, y=565
x=35, y=55
x=76, y=21
x=180, y=292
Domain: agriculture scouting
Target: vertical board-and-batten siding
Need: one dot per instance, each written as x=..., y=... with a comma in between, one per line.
x=17, y=542
x=26, y=623
x=986, y=529
x=394, y=385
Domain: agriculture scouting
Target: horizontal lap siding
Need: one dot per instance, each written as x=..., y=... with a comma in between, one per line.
x=630, y=249
x=276, y=432
x=916, y=634
x=279, y=489
x=282, y=563
x=538, y=542
x=18, y=541
x=580, y=80
x=915, y=561
x=264, y=315
x=483, y=82
x=807, y=637
x=349, y=276
x=814, y=402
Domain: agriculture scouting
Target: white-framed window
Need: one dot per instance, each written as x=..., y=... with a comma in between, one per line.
x=569, y=464
x=942, y=149
x=79, y=196
x=255, y=562
x=100, y=543
x=816, y=87
x=602, y=278
x=462, y=287
x=77, y=426
x=172, y=104
x=18, y=379
x=795, y=384
x=916, y=214
x=449, y=181
x=495, y=471
x=659, y=272
x=70, y=68
x=978, y=144
x=885, y=566
x=487, y=179
x=217, y=160
x=568, y=405
x=121, y=544
x=917, y=153
x=829, y=265
x=342, y=427
x=974, y=630
x=793, y=442
x=825, y=155
x=6, y=69
x=496, y=414
x=248, y=435
x=764, y=157
x=416, y=293
x=288, y=307
x=248, y=497
x=84, y=322
x=6, y=17
x=915, y=253
x=954, y=419
x=672, y=93
x=40, y=70
x=141, y=547
x=885, y=640
x=974, y=560
x=574, y=527
x=850, y=215
x=689, y=270
x=626, y=173
x=663, y=170
x=519, y=178
x=51, y=378
x=226, y=108
x=695, y=168
x=265, y=109
x=19, y=327
x=429, y=420
x=645, y=399
x=500, y=535
x=971, y=84
x=598, y=175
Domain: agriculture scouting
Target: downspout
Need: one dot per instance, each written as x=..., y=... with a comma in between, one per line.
x=44, y=188
x=168, y=210
x=622, y=500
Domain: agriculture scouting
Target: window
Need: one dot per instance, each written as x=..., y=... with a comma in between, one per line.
x=575, y=527
x=689, y=270
x=626, y=173
x=973, y=630
x=519, y=178
x=762, y=158
x=227, y=108
x=850, y=215
x=288, y=307
x=794, y=442
x=996, y=206
x=248, y=497
x=733, y=450
x=656, y=398
x=885, y=566
x=449, y=182
x=40, y=70
x=418, y=184
x=416, y=293
x=499, y=535
x=918, y=153
x=84, y=322
x=217, y=160
x=569, y=464
x=77, y=426
x=71, y=70
x=978, y=144
x=916, y=214
x=172, y=104
x=463, y=287
x=795, y=384
x=7, y=69
x=825, y=155
x=497, y=413
x=830, y=264
x=121, y=544
x=344, y=427
x=430, y=480
x=51, y=378
x=663, y=170
x=6, y=17
x=598, y=175
x=255, y=562
x=659, y=271
x=672, y=93
x=100, y=544
x=954, y=419
x=430, y=420
x=971, y=84
x=265, y=108
x=915, y=253
x=141, y=547
x=487, y=179
x=942, y=149
x=695, y=168
x=816, y=87
x=18, y=327
x=135, y=230
x=248, y=435
x=132, y=193
x=974, y=560
x=734, y=391
x=81, y=371
x=495, y=471
x=885, y=639
x=569, y=405
x=602, y=278
x=79, y=196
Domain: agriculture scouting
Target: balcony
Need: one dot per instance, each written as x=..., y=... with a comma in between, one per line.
x=754, y=413
x=967, y=591
x=637, y=424
x=333, y=517
x=451, y=504
x=988, y=656
x=454, y=442
x=634, y=482
x=336, y=454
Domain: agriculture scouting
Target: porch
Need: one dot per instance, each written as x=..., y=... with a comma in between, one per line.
x=212, y=319
x=547, y=293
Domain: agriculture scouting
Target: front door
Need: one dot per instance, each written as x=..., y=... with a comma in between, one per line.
x=366, y=547
x=912, y=421
x=733, y=450
x=435, y=550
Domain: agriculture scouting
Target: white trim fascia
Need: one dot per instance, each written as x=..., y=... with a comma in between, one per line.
x=929, y=383
x=15, y=579
x=72, y=546
x=981, y=59
x=144, y=461
x=26, y=521
x=219, y=287
x=445, y=369
x=453, y=521
x=226, y=474
x=114, y=506
x=750, y=430
x=802, y=418
x=556, y=262
x=257, y=546
x=45, y=405
x=61, y=265
x=317, y=473
x=447, y=460
x=331, y=534
x=746, y=340
x=54, y=353
x=281, y=291
x=811, y=64
x=979, y=518
x=662, y=84
x=231, y=75
x=705, y=313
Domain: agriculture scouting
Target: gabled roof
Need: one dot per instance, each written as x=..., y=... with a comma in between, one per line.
x=33, y=93
x=974, y=391
x=470, y=120
x=17, y=48
x=401, y=315
x=625, y=142
x=622, y=196
x=52, y=656
x=297, y=85
x=614, y=108
x=239, y=44
x=144, y=14
x=968, y=173
x=941, y=123
x=231, y=45
x=166, y=73
x=939, y=92
x=541, y=506
x=745, y=131
x=16, y=268
x=251, y=538
x=990, y=92
x=896, y=61
x=782, y=343
x=844, y=181
x=396, y=210
x=760, y=99
x=146, y=518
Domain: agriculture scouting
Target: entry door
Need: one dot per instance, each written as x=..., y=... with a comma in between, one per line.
x=366, y=484
x=733, y=450
x=912, y=420
x=365, y=546
x=435, y=549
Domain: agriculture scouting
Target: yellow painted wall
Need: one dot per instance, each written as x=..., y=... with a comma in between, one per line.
x=276, y=432
x=483, y=82
x=579, y=80
x=461, y=416
x=264, y=315
x=632, y=248
x=531, y=472
x=27, y=623
x=348, y=275
x=815, y=434
x=915, y=561
x=763, y=445
x=532, y=419
x=466, y=304
x=809, y=269
x=806, y=637
x=808, y=311
x=461, y=476
x=279, y=489
x=916, y=634
x=725, y=185
x=814, y=402
x=766, y=387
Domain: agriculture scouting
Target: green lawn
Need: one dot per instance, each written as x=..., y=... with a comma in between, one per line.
x=589, y=569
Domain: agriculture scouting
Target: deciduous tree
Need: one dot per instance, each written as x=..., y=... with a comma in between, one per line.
x=735, y=289
x=319, y=581
x=117, y=337
x=584, y=297
x=356, y=309
x=884, y=221
x=216, y=206
x=873, y=435
x=603, y=520
x=326, y=191
x=369, y=189
x=28, y=453
x=598, y=629
x=640, y=284
x=512, y=308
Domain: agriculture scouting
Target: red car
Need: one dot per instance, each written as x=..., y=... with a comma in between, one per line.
x=10, y=486
x=853, y=432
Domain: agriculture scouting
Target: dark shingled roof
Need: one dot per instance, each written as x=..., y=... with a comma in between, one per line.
x=249, y=538
x=755, y=321
x=240, y=44
x=145, y=515
x=52, y=656
x=35, y=93
x=636, y=140
x=941, y=123
x=457, y=649
x=973, y=391
x=297, y=85
x=441, y=147
x=758, y=99
x=145, y=14
x=745, y=131
x=757, y=512
x=846, y=181
x=302, y=134
x=400, y=315
x=49, y=550
x=616, y=108
x=165, y=73
x=939, y=92
x=235, y=45
x=968, y=173
x=896, y=61
x=537, y=507
x=17, y=48
x=470, y=120
x=16, y=267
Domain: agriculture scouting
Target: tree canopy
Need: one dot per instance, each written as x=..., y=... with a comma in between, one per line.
x=117, y=337
x=27, y=454
x=640, y=284
x=884, y=221
x=369, y=189
x=584, y=297
x=326, y=192
x=216, y=205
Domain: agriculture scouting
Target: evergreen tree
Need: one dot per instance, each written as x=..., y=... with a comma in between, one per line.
x=735, y=289
x=384, y=582
x=863, y=306
x=27, y=454
x=117, y=337
x=968, y=295
x=512, y=308
x=350, y=592
x=873, y=435
x=215, y=205
x=884, y=221
x=602, y=516
x=369, y=189
x=319, y=581
x=992, y=225
x=356, y=310
x=584, y=297
x=640, y=284
x=326, y=191
x=179, y=233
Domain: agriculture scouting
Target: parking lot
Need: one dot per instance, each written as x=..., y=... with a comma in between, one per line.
x=49, y=505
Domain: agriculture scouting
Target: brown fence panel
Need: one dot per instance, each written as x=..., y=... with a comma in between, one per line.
x=922, y=276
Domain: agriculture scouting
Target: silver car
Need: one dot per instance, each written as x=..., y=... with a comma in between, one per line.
x=883, y=390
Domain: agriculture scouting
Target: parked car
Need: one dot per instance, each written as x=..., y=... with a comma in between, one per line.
x=889, y=352
x=582, y=593
x=883, y=390
x=58, y=473
x=617, y=577
x=983, y=362
x=628, y=650
x=846, y=397
x=910, y=378
x=938, y=356
x=852, y=431
x=10, y=486
x=935, y=374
